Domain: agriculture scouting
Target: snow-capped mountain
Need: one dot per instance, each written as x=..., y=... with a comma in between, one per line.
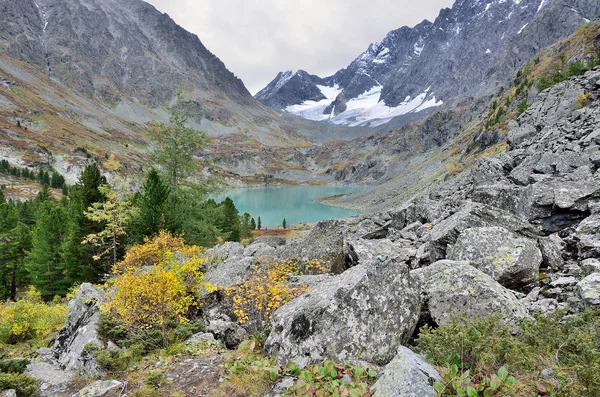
x=467, y=50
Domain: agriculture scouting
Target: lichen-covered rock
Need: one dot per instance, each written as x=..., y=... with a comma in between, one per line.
x=99, y=388
x=231, y=272
x=222, y=252
x=365, y=314
x=468, y=216
x=79, y=330
x=408, y=375
x=589, y=290
x=511, y=260
x=8, y=393
x=457, y=288
x=368, y=250
x=52, y=380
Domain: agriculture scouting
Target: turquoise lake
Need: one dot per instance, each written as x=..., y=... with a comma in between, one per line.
x=296, y=204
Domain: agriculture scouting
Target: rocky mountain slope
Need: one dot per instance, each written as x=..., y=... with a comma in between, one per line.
x=467, y=50
x=81, y=79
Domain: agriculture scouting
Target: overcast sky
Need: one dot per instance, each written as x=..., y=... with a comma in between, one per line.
x=258, y=38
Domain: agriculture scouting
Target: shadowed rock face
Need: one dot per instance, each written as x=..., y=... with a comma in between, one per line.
x=105, y=48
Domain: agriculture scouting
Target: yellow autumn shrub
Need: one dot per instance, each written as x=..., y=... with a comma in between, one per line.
x=269, y=288
x=30, y=318
x=157, y=282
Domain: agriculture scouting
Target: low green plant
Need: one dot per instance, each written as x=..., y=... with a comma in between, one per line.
x=331, y=379
x=457, y=383
x=467, y=352
x=155, y=379
x=23, y=384
x=15, y=366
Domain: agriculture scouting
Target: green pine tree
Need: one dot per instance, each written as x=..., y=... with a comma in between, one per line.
x=259, y=224
x=253, y=224
x=284, y=223
x=153, y=207
x=230, y=223
x=44, y=262
x=13, y=249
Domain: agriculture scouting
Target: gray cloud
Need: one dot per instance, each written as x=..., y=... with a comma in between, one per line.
x=258, y=38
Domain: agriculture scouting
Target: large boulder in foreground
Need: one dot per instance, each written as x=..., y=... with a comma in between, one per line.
x=408, y=375
x=364, y=315
x=79, y=330
x=511, y=260
x=457, y=288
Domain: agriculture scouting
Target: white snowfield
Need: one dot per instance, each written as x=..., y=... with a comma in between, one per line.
x=364, y=110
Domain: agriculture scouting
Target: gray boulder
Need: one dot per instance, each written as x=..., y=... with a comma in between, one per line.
x=551, y=248
x=273, y=241
x=228, y=332
x=456, y=288
x=222, y=252
x=99, y=388
x=79, y=330
x=367, y=250
x=324, y=242
x=590, y=266
x=589, y=290
x=468, y=216
x=364, y=314
x=259, y=250
x=8, y=393
x=408, y=375
x=52, y=380
x=511, y=260
x=231, y=272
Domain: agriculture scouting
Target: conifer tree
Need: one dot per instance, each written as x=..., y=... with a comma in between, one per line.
x=259, y=225
x=44, y=262
x=13, y=249
x=284, y=223
x=253, y=224
x=153, y=206
x=175, y=142
x=230, y=224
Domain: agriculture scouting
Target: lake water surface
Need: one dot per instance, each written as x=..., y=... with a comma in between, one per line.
x=296, y=204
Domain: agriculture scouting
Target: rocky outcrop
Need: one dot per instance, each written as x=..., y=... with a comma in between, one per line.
x=457, y=289
x=365, y=314
x=79, y=330
x=408, y=375
x=511, y=260
x=100, y=388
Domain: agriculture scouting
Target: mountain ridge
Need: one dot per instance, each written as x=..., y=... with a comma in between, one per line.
x=463, y=52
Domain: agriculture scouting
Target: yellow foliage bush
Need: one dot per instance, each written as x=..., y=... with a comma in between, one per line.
x=155, y=251
x=153, y=285
x=267, y=290
x=30, y=318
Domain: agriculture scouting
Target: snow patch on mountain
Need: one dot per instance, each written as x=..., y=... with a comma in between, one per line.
x=313, y=110
x=365, y=110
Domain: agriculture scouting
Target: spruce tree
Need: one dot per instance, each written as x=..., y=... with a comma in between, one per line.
x=44, y=263
x=259, y=225
x=230, y=224
x=284, y=223
x=153, y=207
x=13, y=249
x=253, y=224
